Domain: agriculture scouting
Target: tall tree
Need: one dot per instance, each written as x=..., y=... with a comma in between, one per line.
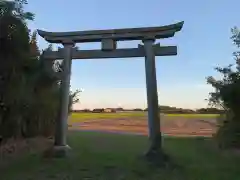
x=29, y=83
x=14, y=52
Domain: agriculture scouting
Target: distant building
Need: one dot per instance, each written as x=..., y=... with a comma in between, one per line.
x=109, y=110
x=97, y=110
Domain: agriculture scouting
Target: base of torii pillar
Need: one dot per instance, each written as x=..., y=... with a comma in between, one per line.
x=57, y=151
x=155, y=153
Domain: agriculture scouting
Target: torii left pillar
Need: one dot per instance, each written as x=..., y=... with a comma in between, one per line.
x=60, y=145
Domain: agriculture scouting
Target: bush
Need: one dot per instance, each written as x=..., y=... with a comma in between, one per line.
x=228, y=134
x=227, y=97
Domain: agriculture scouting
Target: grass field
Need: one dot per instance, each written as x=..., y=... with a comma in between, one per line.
x=102, y=156
x=87, y=116
x=107, y=115
x=136, y=122
x=193, y=115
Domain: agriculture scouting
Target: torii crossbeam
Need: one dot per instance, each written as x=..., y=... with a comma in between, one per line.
x=109, y=39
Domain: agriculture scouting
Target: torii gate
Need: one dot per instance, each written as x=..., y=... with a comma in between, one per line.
x=109, y=39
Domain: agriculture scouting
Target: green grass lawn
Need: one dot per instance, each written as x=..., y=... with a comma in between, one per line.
x=102, y=156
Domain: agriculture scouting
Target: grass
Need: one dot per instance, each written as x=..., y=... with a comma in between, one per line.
x=78, y=117
x=108, y=115
x=193, y=115
x=101, y=156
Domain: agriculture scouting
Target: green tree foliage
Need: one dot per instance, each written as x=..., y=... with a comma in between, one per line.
x=29, y=85
x=15, y=8
x=227, y=97
x=13, y=54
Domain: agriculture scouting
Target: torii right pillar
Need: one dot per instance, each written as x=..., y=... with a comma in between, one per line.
x=155, y=150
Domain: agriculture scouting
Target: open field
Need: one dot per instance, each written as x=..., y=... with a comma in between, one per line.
x=85, y=116
x=136, y=122
x=88, y=116
x=103, y=156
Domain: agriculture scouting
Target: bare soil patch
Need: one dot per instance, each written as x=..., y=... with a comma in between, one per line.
x=175, y=126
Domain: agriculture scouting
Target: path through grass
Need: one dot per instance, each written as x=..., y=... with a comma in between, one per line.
x=102, y=156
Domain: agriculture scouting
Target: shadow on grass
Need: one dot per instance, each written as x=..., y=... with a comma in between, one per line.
x=113, y=157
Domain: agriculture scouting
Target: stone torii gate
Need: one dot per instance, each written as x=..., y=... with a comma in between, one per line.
x=108, y=39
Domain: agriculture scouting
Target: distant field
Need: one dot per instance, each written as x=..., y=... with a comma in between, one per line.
x=87, y=116
x=136, y=122
x=108, y=115
x=193, y=115
x=134, y=114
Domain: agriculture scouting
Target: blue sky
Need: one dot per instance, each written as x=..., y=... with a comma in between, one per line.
x=203, y=43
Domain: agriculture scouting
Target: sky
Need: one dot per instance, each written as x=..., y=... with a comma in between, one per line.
x=203, y=43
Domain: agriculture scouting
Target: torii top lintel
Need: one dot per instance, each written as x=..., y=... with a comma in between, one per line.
x=114, y=34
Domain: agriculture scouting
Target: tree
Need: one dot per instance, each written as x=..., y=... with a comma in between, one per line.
x=29, y=84
x=14, y=54
x=34, y=50
x=73, y=99
x=227, y=97
x=16, y=9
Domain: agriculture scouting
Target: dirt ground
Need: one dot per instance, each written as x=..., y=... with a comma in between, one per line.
x=174, y=126
x=15, y=148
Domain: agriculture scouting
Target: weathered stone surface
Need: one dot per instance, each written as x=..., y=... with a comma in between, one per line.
x=108, y=45
x=115, y=34
x=152, y=93
x=61, y=122
x=118, y=53
x=57, y=151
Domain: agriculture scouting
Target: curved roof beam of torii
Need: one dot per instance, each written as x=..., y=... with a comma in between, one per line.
x=114, y=34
